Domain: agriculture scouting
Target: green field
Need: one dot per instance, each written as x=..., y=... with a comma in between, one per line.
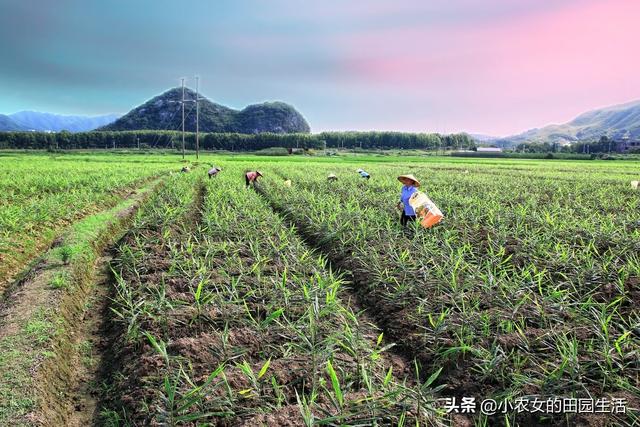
x=309, y=304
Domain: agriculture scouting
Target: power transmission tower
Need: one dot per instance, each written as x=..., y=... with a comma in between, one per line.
x=197, y=125
x=182, y=118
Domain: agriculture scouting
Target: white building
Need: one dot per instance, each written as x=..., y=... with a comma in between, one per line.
x=489, y=150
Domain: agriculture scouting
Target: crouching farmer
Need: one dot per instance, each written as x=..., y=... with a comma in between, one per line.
x=251, y=177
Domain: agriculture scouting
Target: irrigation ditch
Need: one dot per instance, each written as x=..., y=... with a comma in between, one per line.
x=48, y=317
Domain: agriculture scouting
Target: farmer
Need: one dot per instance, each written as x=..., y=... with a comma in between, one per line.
x=287, y=182
x=332, y=177
x=363, y=174
x=185, y=169
x=409, y=187
x=214, y=171
x=251, y=177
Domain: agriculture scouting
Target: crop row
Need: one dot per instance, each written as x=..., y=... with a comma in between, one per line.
x=526, y=288
x=230, y=319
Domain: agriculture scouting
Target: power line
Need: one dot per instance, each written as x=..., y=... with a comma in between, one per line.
x=182, y=118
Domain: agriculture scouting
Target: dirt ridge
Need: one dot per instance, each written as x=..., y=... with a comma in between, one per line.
x=42, y=321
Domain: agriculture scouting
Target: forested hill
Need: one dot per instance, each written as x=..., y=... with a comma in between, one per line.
x=164, y=112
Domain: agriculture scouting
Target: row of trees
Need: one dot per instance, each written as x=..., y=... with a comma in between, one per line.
x=391, y=140
x=232, y=141
x=604, y=145
x=154, y=139
x=536, y=147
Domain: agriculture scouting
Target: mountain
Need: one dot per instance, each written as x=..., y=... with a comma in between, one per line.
x=34, y=120
x=7, y=124
x=615, y=122
x=164, y=113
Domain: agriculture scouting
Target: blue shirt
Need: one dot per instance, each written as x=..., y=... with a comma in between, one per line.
x=363, y=174
x=407, y=191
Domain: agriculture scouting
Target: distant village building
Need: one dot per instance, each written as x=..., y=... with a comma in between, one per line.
x=489, y=150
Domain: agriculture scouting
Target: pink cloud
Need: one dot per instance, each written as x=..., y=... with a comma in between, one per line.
x=510, y=74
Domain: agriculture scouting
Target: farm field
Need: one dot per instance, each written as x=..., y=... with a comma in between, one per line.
x=40, y=194
x=310, y=305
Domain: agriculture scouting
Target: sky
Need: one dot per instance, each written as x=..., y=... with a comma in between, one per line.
x=495, y=67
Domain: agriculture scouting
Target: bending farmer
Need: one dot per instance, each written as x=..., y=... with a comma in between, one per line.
x=409, y=187
x=213, y=172
x=251, y=177
x=363, y=174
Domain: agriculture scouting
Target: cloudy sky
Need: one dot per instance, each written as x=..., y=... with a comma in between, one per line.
x=488, y=66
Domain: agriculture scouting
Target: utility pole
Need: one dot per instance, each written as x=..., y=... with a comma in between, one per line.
x=197, y=125
x=183, y=118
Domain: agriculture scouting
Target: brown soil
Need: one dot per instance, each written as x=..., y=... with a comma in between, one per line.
x=89, y=357
x=287, y=416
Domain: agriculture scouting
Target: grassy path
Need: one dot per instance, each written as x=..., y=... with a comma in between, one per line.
x=39, y=318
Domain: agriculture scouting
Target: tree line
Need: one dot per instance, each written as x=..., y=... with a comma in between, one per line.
x=232, y=141
x=604, y=145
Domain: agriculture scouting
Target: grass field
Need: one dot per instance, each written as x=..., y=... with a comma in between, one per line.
x=309, y=304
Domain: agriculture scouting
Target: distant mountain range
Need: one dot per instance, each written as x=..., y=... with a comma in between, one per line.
x=164, y=112
x=618, y=121
x=48, y=122
x=6, y=124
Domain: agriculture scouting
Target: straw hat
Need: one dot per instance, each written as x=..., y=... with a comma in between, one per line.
x=411, y=177
x=259, y=173
x=331, y=175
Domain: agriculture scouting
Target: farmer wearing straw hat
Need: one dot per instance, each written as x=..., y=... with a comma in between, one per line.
x=251, y=177
x=332, y=177
x=409, y=187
